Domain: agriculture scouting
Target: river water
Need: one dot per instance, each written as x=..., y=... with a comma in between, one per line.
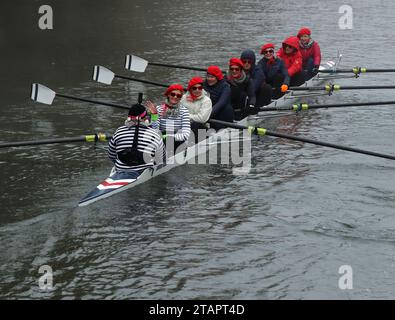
x=197, y=232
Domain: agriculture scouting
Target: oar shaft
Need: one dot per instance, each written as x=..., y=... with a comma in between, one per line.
x=142, y=81
x=305, y=106
x=365, y=87
x=92, y=101
x=331, y=145
x=380, y=70
x=88, y=138
x=176, y=66
x=354, y=104
x=262, y=131
x=338, y=87
x=357, y=70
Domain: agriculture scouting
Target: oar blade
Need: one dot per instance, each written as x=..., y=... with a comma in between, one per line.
x=103, y=75
x=135, y=63
x=42, y=94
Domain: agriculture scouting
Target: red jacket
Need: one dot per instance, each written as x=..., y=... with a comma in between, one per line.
x=293, y=62
x=314, y=51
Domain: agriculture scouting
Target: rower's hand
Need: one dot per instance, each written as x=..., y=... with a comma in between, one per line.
x=284, y=88
x=151, y=108
x=251, y=106
x=315, y=69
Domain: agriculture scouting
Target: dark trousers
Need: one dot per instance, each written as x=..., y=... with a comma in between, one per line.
x=298, y=79
x=308, y=67
x=171, y=145
x=195, y=128
x=239, y=102
x=270, y=90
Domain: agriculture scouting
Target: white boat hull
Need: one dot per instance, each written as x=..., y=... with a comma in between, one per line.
x=118, y=182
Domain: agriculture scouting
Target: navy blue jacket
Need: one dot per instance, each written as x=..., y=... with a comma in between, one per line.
x=220, y=98
x=270, y=70
x=256, y=74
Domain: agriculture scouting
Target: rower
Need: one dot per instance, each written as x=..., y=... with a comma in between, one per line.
x=173, y=117
x=242, y=92
x=135, y=146
x=290, y=54
x=311, y=53
x=249, y=65
x=276, y=78
x=219, y=92
x=199, y=106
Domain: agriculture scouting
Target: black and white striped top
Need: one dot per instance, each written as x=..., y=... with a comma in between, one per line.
x=149, y=142
x=177, y=126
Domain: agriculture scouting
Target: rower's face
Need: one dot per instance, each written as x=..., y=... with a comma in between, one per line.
x=211, y=80
x=175, y=97
x=235, y=71
x=288, y=49
x=247, y=63
x=197, y=90
x=268, y=53
x=305, y=38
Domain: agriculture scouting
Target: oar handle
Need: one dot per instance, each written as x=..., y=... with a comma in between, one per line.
x=92, y=101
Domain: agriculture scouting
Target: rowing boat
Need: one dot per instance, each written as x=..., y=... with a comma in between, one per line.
x=120, y=181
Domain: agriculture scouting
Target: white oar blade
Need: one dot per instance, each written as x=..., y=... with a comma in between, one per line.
x=42, y=94
x=103, y=75
x=135, y=63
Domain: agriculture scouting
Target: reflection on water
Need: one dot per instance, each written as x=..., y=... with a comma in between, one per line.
x=283, y=231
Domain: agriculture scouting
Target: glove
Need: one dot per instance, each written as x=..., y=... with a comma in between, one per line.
x=284, y=88
x=315, y=69
x=154, y=117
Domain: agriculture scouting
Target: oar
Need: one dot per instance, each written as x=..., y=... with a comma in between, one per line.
x=135, y=63
x=263, y=131
x=336, y=87
x=357, y=70
x=88, y=138
x=104, y=75
x=45, y=95
x=304, y=106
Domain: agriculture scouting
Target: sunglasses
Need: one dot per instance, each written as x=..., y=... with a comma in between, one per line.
x=234, y=69
x=247, y=61
x=200, y=88
x=268, y=51
x=175, y=95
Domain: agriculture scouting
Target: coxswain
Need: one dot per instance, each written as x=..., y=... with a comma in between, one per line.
x=219, y=91
x=290, y=54
x=199, y=106
x=310, y=51
x=135, y=146
x=275, y=74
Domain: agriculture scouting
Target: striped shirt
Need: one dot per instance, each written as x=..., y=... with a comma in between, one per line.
x=149, y=142
x=176, y=125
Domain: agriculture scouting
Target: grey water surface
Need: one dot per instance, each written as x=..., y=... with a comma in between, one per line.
x=199, y=231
